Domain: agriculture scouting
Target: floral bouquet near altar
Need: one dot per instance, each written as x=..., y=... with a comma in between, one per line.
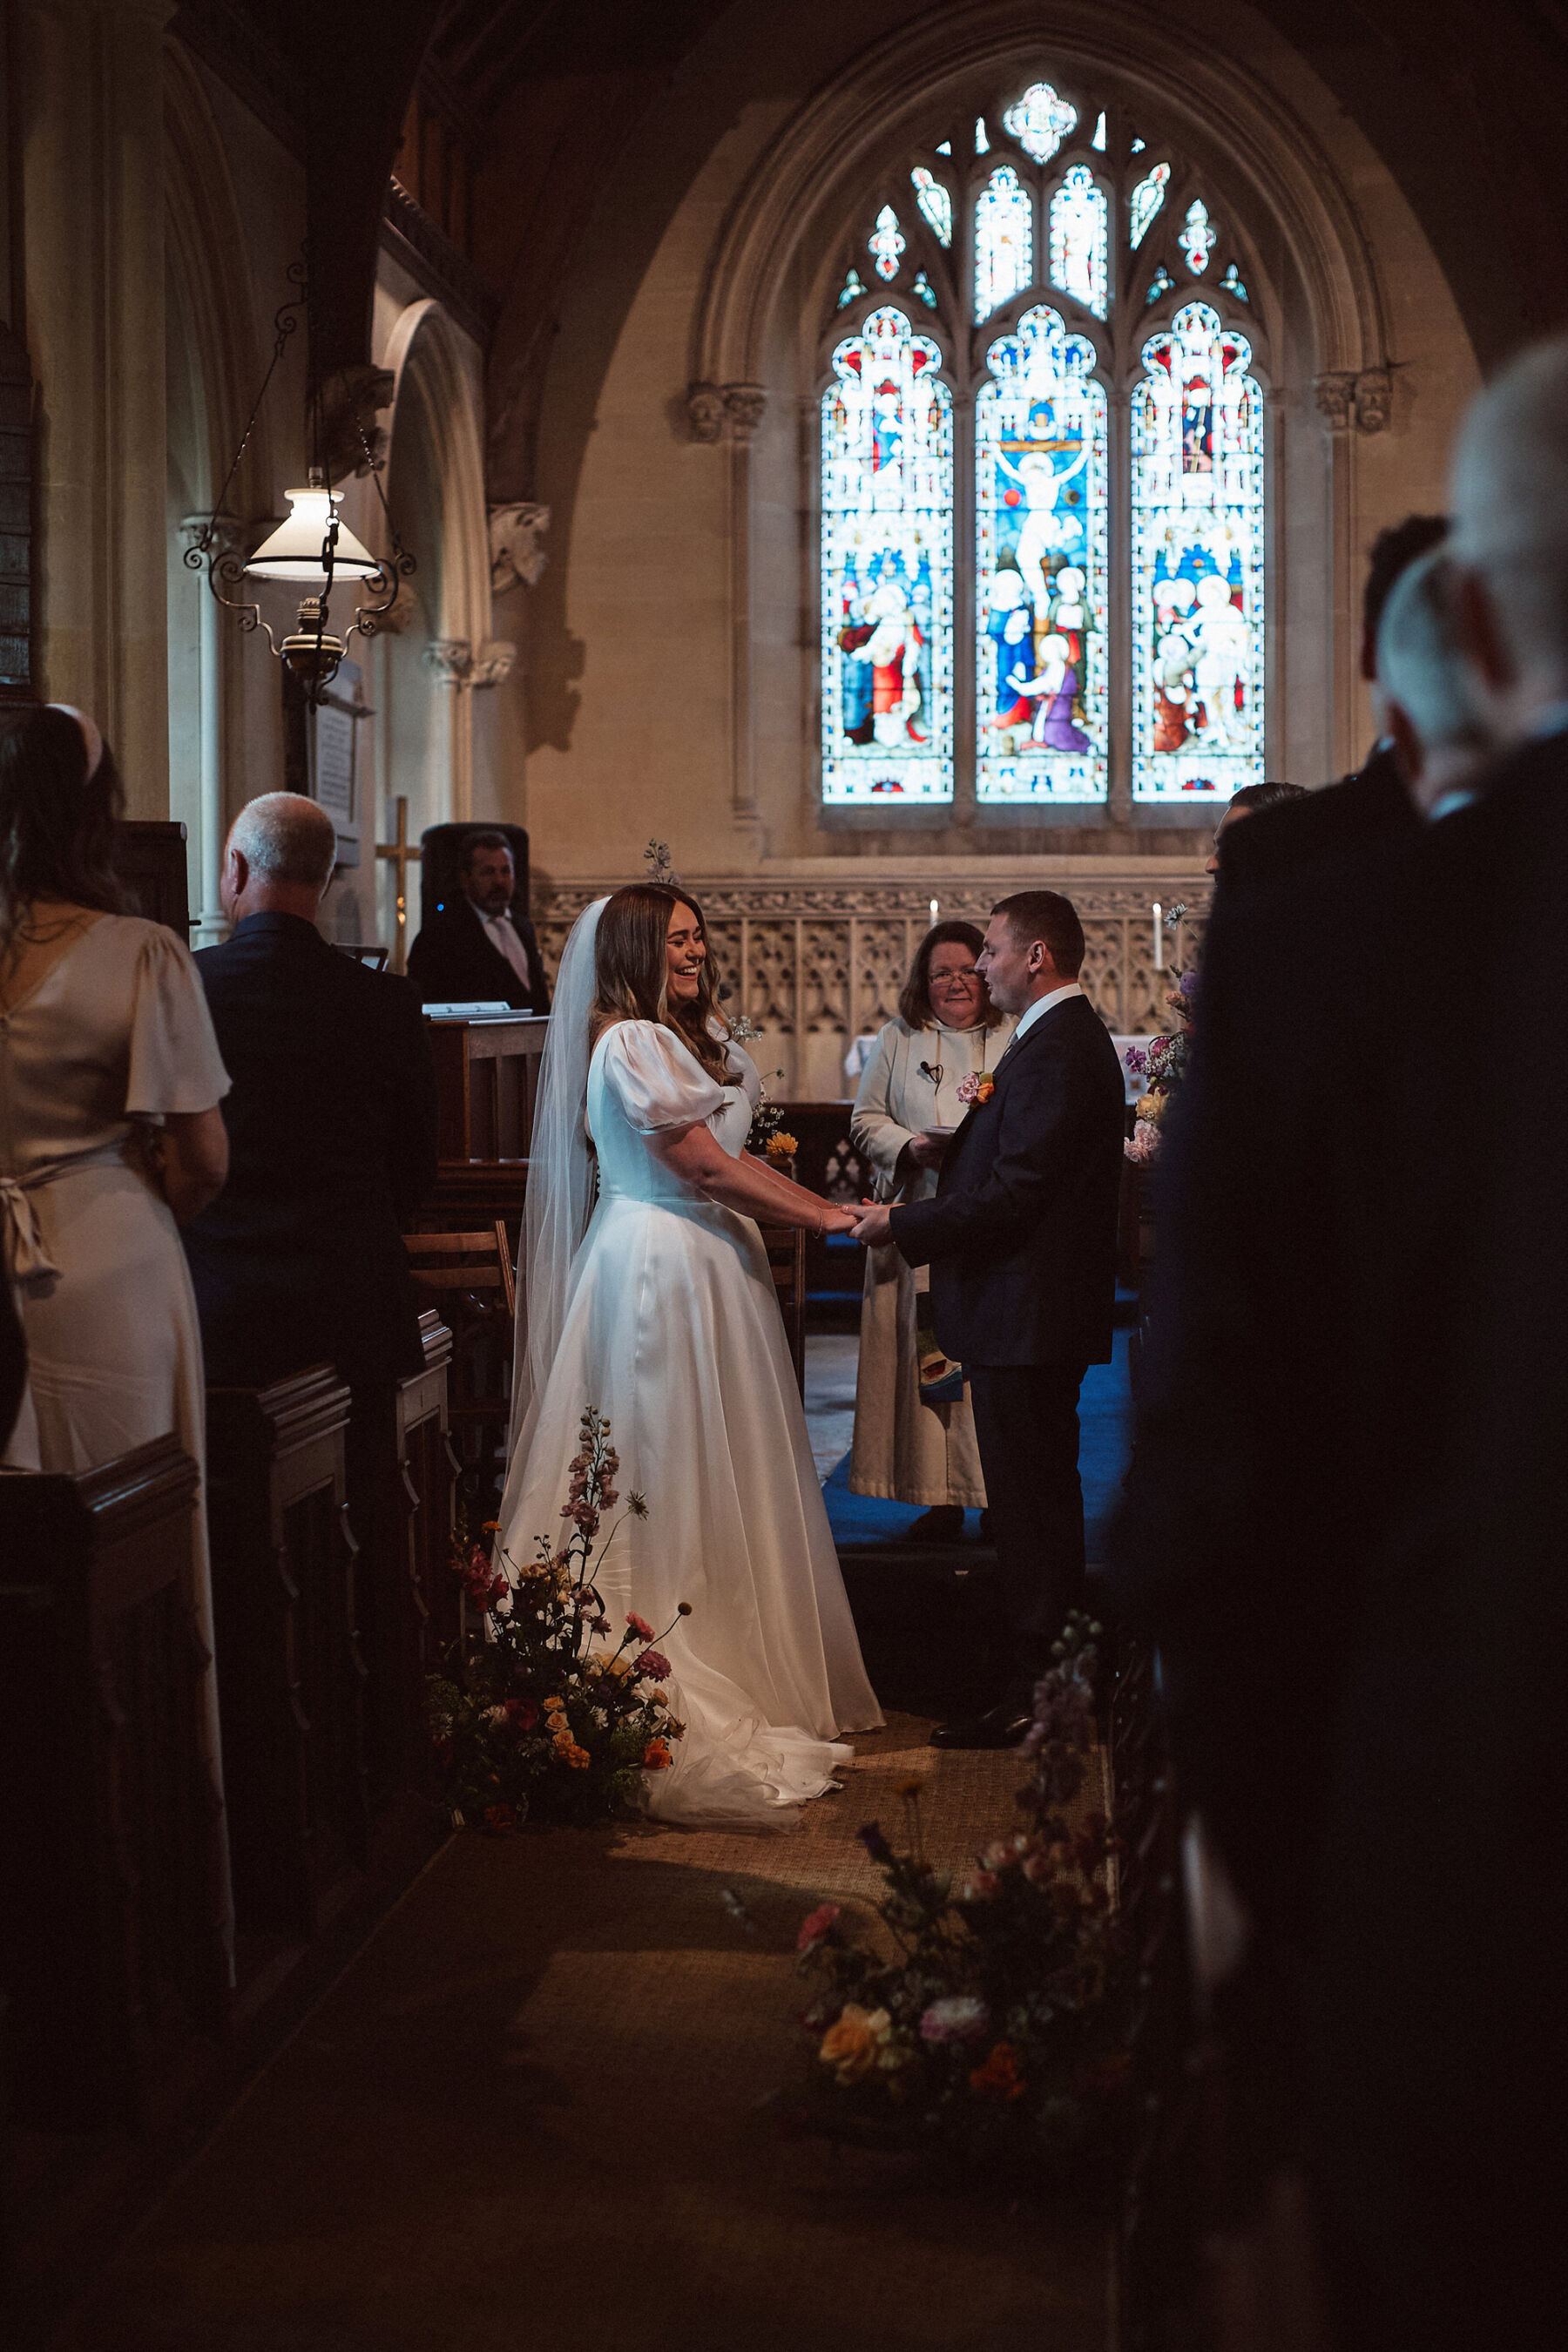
x=545, y=1717
x=765, y=1137
x=1163, y=1062
x=998, y=2027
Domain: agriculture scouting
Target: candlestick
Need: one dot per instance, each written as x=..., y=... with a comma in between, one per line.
x=935, y=909
x=1159, y=937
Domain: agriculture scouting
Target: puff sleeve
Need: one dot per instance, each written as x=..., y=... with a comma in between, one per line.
x=656, y=1080
x=173, y=1062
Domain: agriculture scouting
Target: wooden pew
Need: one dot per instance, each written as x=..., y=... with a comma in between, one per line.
x=408, y=1599
x=111, y=1871
x=290, y=1676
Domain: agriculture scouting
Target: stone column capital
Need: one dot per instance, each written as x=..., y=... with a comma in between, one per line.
x=451, y=659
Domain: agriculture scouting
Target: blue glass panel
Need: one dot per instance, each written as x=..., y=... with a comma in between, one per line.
x=1004, y=241
x=887, y=568
x=1040, y=567
x=1080, y=236
x=1198, y=563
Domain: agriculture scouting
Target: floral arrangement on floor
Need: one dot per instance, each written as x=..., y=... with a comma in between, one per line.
x=997, y=2029
x=541, y=1717
x=1163, y=1062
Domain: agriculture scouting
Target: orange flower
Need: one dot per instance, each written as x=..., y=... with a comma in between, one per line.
x=999, y=2077
x=852, y=2045
x=782, y=1146
x=655, y=1756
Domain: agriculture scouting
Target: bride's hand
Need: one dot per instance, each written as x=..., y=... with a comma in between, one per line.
x=837, y=1221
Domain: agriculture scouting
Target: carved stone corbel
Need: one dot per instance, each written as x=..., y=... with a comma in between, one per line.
x=1345, y=398
x=492, y=662
x=705, y=412
x=1335, y=396
x=744, y=407
x=1373, y=399
x=452, y=660
x=517, y=557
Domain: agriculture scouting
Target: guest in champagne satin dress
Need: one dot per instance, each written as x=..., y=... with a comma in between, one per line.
x=110, y=1132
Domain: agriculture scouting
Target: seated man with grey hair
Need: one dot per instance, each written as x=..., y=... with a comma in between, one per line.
x=331, y=1119
x=1423, y=692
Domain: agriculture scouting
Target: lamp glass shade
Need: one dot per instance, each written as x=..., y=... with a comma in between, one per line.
x=294, y=550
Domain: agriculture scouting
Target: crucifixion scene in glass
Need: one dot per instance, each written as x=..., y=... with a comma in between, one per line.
x=1042, y=521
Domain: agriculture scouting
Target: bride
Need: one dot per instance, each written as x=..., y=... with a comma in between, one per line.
x=657, y=1306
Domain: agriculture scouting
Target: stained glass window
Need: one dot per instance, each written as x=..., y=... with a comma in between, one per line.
x=885, y=243
x=1198, y=563
x=1040, y=567
x=1144, y=201
x=1023, y=414
x=887, y=568
x=1004, y=241
x=1040, y=121
x=1198, y=237
x=1079, y=236
x=935, y=203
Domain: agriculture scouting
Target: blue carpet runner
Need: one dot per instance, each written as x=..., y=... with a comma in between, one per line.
x=1105, y=1421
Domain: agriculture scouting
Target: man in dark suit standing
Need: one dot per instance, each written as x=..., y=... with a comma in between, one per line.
x=332, y=1126
x=1021, y=1241
x=475, y=950
x=1345, y=1528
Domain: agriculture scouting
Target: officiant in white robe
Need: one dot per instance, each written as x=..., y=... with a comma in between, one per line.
x=906, y=1450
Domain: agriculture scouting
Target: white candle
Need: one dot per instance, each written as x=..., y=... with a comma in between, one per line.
x=1159, y=937
x=935, y=909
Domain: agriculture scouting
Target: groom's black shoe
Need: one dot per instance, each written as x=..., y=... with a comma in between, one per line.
x=1002, y=1726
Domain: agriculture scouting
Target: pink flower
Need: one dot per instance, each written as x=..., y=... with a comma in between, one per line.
x=639, y=1626
x=977, y=1088
x=812, y=1929
x=961, y=2017
x=655, y=1665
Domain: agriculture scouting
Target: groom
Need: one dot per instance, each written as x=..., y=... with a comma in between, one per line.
x=1021, y=1241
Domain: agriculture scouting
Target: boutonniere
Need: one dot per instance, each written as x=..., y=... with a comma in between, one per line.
x=978, y=1087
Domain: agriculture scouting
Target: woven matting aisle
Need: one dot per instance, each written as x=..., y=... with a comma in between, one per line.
x=533, y=2117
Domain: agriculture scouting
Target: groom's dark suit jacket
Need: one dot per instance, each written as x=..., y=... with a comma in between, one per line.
x=1021, y=1236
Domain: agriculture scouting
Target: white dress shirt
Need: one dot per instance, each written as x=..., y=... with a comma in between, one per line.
x=501, y=933
x=1027, y=1019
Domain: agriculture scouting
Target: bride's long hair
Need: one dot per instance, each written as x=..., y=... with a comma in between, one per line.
x=631, y=974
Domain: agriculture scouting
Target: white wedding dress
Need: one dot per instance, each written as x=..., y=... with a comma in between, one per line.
x=669, y=1325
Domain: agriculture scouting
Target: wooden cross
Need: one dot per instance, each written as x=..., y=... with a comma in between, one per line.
x=403, y=857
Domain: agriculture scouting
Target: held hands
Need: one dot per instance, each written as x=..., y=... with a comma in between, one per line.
x=837, y=1221
x=872, y=1225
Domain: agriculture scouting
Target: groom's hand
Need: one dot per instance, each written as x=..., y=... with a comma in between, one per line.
x=873, y=1226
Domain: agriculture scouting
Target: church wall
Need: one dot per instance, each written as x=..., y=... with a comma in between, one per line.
x=627, y=691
